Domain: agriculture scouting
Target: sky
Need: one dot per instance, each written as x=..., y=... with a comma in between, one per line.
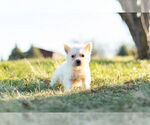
x=49, y=24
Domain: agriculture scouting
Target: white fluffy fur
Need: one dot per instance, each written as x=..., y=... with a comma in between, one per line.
x=68, y=73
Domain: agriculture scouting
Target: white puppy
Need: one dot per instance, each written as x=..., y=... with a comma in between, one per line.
x=75, y=70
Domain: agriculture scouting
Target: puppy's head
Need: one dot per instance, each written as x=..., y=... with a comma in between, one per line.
x=79, y=55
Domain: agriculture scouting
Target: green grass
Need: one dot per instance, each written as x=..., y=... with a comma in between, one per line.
x=24, y=87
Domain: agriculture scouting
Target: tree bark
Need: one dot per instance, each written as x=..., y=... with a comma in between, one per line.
x=138, y=26
x=145, y=6
x=137, y=30
x=130, y=6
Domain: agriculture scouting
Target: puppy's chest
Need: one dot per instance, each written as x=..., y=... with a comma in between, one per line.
x=77, y=76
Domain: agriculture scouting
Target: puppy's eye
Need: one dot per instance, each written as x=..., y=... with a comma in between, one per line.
x=82, y=55
x=73, y=56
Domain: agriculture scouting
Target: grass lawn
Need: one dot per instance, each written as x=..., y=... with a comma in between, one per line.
x=118, y=85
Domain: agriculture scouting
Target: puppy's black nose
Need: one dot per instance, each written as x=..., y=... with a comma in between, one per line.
x=78, y=62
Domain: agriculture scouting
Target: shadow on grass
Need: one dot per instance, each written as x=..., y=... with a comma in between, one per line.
x=23, y=85
x=102, y=99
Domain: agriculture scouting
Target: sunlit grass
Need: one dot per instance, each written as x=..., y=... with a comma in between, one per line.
x=24, y=87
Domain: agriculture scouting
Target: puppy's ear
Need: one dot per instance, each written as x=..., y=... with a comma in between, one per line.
x=88, y=47
x=66, y=47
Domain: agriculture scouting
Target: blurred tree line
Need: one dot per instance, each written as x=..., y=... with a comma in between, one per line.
x=98, y=51
x=126, y=51
x=33, y=52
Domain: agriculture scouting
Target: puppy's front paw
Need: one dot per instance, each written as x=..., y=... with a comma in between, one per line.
x=87, y=86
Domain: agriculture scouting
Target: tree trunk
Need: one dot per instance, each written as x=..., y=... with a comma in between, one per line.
x=138, y=27
x=130, y=6
x=145, y=6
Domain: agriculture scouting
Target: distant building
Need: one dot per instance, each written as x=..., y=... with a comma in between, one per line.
x=51, y=54
x=34, y=52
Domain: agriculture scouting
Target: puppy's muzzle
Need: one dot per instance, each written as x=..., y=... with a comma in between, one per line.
x=78, y=62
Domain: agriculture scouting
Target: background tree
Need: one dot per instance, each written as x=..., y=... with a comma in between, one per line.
x=34, y=53
x=138, y=24
x=16, y=54
x=123, y=51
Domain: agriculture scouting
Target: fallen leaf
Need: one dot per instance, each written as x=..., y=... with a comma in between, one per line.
x=128, y=84
x=93, y=90
x=12, y=76
x=25, y=105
